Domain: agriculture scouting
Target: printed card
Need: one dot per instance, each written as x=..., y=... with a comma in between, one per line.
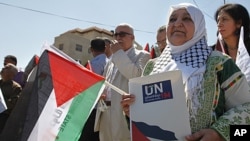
x=159, y=112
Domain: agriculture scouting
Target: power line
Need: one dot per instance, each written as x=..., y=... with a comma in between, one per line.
x=203, y=11
x=65, y=17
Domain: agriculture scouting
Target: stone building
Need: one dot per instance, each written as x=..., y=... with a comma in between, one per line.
x=76, y=42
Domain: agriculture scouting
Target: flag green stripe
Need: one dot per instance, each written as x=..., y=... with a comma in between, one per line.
x=78, y=113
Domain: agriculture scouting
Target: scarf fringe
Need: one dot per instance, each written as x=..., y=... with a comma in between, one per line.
x=193, y=88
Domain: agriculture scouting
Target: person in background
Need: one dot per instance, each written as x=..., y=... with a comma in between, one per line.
x=217, y=93
x=98, y=51
x=97, y=48
x=19, y=77
x=231, y=18
x=161, y=39
x=126, y=62
x=107, y=47
x=161, y=43
x=10, y=89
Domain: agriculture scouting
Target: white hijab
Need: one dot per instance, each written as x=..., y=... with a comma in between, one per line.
x=199, y=22
x=189, y=57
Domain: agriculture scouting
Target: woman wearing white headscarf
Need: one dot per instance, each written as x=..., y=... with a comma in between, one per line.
x=216, y=90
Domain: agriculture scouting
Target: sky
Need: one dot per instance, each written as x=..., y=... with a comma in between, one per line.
x=27, y=24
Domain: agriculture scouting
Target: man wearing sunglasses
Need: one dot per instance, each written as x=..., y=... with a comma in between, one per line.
x=125, y=63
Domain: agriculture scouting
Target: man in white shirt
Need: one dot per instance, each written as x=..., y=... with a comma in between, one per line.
x=126, y=62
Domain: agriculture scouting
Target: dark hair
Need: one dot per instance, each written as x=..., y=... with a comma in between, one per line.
x=98, y=45
x=240, y=14
x=12, y=58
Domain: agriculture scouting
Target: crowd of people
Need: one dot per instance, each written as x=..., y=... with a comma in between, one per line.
x=216, y=89
x=216, y=78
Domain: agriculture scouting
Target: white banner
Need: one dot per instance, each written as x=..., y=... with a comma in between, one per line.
x=160, y=111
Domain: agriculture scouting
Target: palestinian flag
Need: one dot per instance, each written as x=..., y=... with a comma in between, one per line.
x=88, y=65
x=14, y=125
x=152, y=53
x=32, y=63
x=146, y=48
x=63, y=95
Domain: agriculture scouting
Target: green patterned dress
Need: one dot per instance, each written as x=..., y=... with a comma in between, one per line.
x=225, y=97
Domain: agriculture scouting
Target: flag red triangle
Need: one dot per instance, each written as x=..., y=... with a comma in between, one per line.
x=147, y=47
x=152, y=53
x=69, y=79
x=36, y=59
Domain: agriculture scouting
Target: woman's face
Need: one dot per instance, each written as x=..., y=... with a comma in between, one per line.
x=180, y=28
x=226, y=25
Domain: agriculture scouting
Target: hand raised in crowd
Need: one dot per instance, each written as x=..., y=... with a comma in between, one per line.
x=127, y=100
x=115, y=46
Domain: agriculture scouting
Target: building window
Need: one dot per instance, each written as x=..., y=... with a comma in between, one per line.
x=61, y=46
x=78, y=47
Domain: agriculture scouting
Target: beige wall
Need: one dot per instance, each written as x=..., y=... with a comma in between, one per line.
x=71, y=39
x=81, y=37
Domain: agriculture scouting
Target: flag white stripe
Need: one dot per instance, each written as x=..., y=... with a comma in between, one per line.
x=50, y=120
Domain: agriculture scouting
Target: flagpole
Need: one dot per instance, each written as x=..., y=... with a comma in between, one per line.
x=116, y=88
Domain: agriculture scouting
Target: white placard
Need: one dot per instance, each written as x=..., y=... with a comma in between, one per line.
x=160, y=111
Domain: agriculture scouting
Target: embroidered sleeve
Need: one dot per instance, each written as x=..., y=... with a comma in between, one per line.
x=148, y=67
x=239, y=115
x=234, y=84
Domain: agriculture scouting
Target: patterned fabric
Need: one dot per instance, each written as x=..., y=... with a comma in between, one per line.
x=194, y=57
x=210, y=98
x=163, y=60
x=192, y=63
x=213, y=83
x=239, y=115
x=214, y=97
x=218, y=81
x=150, y=65
x=233, y=82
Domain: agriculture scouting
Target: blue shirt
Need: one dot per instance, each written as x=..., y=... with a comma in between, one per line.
x=98, y=63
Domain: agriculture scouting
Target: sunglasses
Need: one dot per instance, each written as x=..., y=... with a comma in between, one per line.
x=122, y=34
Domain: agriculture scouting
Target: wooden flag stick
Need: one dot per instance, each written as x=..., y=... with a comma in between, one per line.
x=116, y=88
